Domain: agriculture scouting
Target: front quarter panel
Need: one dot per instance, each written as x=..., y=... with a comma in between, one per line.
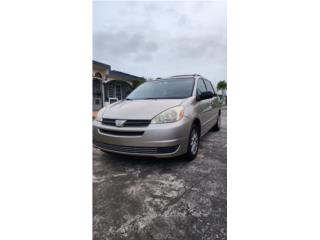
x=190, y=108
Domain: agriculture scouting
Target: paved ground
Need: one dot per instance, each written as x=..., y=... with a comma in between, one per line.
x=136, y=198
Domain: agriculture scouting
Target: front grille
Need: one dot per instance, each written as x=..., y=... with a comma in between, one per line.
x=111, y=122
x=128, y=123
x=137, y=150
x=121, y=133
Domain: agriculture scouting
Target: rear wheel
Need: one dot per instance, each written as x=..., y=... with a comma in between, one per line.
x=193, y=144
x=217, y=126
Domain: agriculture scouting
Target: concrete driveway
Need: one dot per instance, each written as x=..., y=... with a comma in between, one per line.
x=143, y=198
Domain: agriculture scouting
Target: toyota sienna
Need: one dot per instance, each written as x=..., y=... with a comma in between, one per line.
x=161, y=118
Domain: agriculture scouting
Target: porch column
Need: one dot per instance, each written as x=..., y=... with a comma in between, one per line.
x=102, y=92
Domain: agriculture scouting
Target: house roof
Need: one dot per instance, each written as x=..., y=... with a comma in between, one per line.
x=118, y=74
x=100, y=64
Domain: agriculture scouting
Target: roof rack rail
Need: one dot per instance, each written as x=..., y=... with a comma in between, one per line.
x=185, y=75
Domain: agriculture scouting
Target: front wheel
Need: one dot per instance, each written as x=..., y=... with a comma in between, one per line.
x=193, y=144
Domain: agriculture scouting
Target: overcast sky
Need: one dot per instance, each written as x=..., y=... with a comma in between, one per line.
x=159, y=39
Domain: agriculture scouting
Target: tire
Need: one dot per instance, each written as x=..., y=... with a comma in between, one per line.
x=217, y=126
x=193, y=143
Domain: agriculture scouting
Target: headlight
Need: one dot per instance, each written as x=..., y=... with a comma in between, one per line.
x=171, y=115
x=99, y=115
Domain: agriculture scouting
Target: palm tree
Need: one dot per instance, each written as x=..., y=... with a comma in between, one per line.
x=222, y=86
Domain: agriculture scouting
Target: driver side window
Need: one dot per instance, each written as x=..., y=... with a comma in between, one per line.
x=201, y=87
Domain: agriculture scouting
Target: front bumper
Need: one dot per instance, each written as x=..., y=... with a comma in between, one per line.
x=157, y=140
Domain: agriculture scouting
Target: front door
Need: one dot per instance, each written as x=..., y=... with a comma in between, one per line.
x=214, y=103
x=203, y=107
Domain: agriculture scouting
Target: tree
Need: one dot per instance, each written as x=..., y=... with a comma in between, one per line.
x=222, y=86
x=136, y=83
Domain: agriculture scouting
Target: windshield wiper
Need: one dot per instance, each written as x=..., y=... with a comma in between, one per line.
x=130, y=99
x=156, y=98
x=165, y=98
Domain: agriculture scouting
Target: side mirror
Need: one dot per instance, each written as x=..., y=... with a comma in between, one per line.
x=205, y=95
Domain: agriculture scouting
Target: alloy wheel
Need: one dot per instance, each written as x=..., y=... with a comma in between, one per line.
x=194, y=143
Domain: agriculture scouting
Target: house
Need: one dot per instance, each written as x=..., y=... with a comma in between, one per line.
x=110, y=85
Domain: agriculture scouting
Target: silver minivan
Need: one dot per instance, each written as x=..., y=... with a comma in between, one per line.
x=161, y=118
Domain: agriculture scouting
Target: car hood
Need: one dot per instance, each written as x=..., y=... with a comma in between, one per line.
x=139, y=109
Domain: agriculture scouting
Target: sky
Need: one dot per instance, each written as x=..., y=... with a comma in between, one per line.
x=160, y=39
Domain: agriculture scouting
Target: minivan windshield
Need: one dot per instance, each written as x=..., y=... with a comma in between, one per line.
x=164, y=89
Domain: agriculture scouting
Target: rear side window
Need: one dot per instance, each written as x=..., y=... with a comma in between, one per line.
x=201, y=87
x=209, y=86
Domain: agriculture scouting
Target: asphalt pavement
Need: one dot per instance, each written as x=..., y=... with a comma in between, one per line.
x=149, y=198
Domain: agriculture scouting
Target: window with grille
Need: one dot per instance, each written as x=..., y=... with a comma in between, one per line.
x=97, y=101
x=110, y=91
x=118, y=92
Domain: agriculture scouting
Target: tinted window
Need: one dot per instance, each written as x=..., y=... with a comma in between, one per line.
x=164, y=89
x=201, y=87
x=209, y=86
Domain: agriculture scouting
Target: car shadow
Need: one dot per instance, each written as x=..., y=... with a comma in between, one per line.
x=126, y=160
x=141, y=159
